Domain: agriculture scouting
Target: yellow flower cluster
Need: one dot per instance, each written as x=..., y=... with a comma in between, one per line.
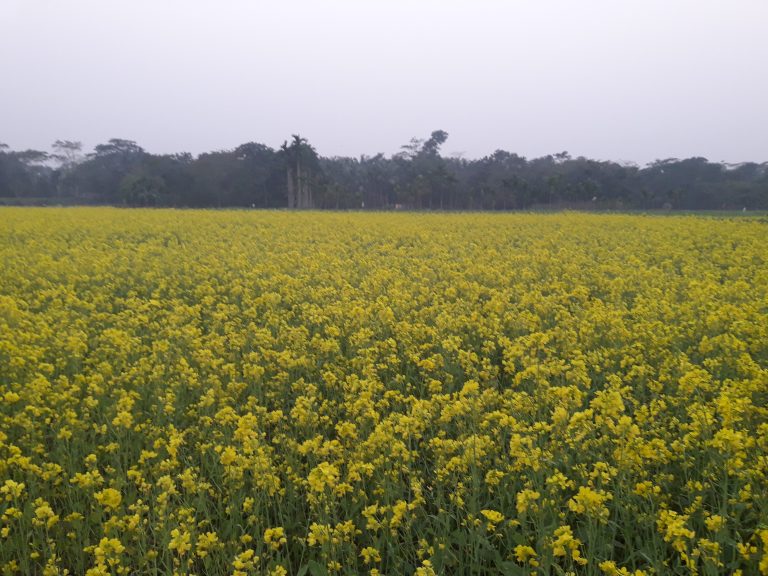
x=281, y=393
x=108, y=498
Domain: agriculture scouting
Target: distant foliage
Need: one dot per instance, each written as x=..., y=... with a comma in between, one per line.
x=254, y=175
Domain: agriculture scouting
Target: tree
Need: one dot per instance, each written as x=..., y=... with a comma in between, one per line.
x=118, y=147
x=26, y=174
x=98, y=178
x=436, y=139
x=142, y=189
x=425, y=178
x=300, y=159
x=67, y=153
x=31, y=157
x=259, y=176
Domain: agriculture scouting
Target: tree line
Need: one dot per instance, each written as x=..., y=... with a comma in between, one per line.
x=120, y=172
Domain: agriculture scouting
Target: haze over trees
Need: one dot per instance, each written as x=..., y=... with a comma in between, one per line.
x=120, y=172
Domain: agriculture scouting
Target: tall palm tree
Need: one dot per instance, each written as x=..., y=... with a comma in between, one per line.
x=300, y=157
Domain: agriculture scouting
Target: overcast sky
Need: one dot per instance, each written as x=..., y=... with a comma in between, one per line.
x=630, y=80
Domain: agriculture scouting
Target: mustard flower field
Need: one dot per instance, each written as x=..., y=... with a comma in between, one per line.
x=286, y=393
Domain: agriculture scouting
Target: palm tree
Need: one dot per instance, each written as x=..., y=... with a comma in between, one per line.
x=300, y=157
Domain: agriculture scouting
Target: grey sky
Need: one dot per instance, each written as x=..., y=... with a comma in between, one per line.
x=610, y=79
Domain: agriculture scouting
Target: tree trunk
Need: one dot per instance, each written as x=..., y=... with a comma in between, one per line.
x=307, y=194
x=299, y=184
x=291, y=190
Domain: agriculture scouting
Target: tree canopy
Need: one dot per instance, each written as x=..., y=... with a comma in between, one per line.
x=120, y=172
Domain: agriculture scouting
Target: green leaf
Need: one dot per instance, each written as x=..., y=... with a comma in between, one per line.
x=317, y=569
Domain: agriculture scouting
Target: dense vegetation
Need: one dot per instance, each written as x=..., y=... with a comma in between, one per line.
x=254, y=175
x=279, y=393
